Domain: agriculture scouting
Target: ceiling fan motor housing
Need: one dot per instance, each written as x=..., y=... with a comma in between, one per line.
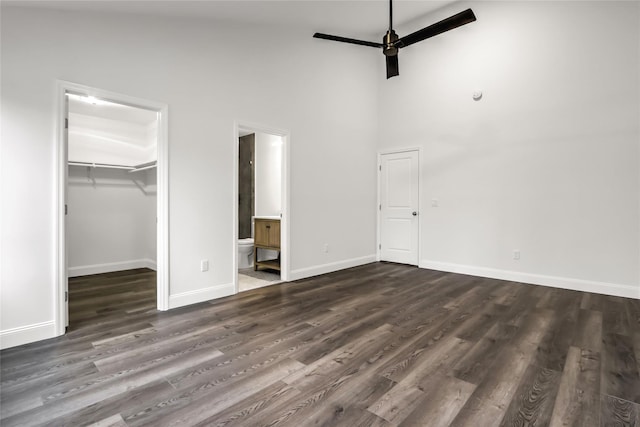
x=388, y=42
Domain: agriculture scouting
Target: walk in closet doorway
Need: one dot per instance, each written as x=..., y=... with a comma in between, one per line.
x=112, y=243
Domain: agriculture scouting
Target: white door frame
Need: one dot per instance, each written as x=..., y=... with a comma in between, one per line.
x=378, y=218
x=61, y=274
x=284, y=221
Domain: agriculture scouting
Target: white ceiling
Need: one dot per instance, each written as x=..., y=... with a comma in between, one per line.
x=106, y=132
x=347, y=18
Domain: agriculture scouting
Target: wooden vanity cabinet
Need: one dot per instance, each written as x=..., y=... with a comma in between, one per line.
x=266, y=236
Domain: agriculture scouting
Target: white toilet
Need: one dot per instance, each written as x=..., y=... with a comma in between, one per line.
x=245, y=253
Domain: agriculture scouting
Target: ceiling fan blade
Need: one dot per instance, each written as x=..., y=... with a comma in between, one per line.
x=346, y=40
x=447, y=24
x=392, y=66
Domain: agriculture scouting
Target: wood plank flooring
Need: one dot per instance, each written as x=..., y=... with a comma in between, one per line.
x=377, y=345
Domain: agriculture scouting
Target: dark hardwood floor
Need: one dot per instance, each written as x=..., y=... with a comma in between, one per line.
x=377, y=345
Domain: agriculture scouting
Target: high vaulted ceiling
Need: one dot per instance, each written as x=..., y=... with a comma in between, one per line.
x=348, y=18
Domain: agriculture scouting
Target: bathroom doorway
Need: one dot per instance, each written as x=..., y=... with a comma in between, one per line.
x=261, y=238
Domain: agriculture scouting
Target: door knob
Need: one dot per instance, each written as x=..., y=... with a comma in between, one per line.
x=414, y=213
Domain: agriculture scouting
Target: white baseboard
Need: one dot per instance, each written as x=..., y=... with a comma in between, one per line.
x=316, y=270
x=27, y=334
x=614, y=289
x=201, y=295
x=85, y=270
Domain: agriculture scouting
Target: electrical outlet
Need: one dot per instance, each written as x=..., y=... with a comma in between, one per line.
x=516, y=254
x=325, y=248
x=434, y=203
x=204, y=265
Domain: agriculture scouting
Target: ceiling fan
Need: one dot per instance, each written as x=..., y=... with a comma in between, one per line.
x=391, y=43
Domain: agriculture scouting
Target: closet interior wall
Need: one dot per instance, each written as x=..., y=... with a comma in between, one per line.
x=111, y=219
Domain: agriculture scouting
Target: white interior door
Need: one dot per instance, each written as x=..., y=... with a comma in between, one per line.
x=399, y=176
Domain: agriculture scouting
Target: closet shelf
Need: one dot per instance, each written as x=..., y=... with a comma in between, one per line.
x=100, y=165
x=140, y=167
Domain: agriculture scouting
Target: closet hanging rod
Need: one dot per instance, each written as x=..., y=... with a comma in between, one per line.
x=100, y=165
x=144, y=166
x=142, y=169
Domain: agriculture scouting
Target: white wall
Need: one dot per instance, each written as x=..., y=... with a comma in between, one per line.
x=207, y=85
x=268, y=174
x=111, y=220
x=150, y=251
x=547, y=162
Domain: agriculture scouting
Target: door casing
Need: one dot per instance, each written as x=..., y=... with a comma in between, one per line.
x=162, y=209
